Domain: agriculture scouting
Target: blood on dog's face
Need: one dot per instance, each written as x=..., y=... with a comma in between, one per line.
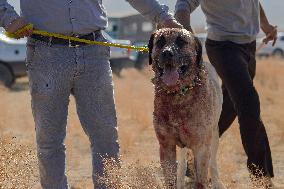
x=174, y=54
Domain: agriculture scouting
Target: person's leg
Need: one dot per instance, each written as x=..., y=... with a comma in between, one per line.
x=229, y=114
x=49, y=87
x=93, y=91
x=268, y=159
x=231, y=63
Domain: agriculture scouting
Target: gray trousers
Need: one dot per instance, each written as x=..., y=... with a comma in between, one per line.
x=54, y=72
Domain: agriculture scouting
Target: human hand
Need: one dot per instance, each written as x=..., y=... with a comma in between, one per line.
x=183, y=17
x=170, y=23
x=16, y=28
x=270, y=32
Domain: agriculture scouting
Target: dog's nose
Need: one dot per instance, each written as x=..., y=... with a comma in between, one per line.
x=168, y=54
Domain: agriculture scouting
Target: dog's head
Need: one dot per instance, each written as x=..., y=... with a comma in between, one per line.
x=175, y=54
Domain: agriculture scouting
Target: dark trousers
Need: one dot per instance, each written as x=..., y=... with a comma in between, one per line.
x=236, y=65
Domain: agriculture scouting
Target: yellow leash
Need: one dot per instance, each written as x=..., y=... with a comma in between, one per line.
x=56, y=35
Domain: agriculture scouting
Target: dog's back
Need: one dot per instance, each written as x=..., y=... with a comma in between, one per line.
x=216, y=87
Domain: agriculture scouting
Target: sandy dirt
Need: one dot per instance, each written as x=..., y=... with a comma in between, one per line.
x=134, y=100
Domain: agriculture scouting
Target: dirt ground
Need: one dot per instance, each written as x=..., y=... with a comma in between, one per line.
x=139, y=148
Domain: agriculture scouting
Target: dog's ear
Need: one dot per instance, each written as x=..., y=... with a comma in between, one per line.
x=150, y=47
x=198, y=47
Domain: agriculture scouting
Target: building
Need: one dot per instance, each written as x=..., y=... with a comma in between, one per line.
x=135, y=28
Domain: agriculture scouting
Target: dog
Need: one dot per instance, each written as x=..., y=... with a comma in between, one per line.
x=187, y=106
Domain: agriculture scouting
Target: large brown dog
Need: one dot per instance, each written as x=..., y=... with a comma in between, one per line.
x=187, y=105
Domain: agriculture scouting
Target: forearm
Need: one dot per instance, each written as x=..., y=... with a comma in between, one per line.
x=7, y=14
x=183, y=17
x=269, y=30
x=151, y=9
x=183, y=9
x=263, y=19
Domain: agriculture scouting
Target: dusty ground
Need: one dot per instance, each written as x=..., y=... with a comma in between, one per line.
x=134, y=98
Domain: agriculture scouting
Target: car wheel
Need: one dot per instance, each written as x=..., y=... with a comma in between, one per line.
x=116, y=67
x=278, y=53
x=6, y=76
x=142, y=61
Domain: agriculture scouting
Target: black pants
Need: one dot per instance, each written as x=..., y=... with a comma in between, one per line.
x=236, y=65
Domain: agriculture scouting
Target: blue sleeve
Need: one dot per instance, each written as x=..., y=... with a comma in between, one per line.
x=7, y=14
x=188, y=5
x=152, y=9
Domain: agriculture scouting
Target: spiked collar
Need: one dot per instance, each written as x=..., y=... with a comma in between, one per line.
x=182, y=90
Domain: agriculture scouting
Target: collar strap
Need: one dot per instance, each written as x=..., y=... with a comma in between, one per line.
x=185, y=88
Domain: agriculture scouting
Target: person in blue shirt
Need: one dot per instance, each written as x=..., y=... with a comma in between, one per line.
x=57, y=68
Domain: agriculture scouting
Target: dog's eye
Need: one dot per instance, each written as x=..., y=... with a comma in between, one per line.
x=161, y=42
x=183, y=69
x=180, y=42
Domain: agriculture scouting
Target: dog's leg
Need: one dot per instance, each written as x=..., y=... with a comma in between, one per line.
x=168, y=163
x=201, y=162
x=216, y=184
x=182, y=165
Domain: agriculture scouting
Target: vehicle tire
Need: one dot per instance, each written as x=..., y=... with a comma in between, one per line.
x=6, y=76
x=116, y=67
x=142, y=61
x=278, y=53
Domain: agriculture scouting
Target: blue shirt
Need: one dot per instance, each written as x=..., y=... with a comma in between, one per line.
x=70, y=17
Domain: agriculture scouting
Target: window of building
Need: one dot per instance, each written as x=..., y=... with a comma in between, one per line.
x=147, y=26
x=130, y=28
x=112, y=27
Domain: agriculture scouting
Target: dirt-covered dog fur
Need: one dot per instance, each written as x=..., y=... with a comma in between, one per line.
x=187, y=106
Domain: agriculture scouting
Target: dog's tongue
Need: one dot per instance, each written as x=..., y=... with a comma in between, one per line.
x=170, y=76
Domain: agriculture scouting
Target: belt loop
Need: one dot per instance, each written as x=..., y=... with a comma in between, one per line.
x=70, y=43
x=94, y=35
x=50, y=41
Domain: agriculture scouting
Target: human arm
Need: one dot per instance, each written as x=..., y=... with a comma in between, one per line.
x=11, y=21
x=153, y=10
x=269, y=30
x=183, y=10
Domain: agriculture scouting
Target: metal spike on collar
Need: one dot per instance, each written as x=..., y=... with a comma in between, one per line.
x=184, y=90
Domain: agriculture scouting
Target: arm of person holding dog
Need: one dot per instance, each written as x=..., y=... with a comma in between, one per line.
x=11, y=21
x=183, y=10
x=269, y=30
x=153, y=10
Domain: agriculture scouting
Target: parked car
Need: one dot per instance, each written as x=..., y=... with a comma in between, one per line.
x=12, y=59
x=269, y=50
x=13, y=55
x=120, y=58
x=202, y=37
x=117, y=53
x=141, y=58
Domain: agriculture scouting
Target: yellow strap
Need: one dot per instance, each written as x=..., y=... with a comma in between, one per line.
x=48, y=34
